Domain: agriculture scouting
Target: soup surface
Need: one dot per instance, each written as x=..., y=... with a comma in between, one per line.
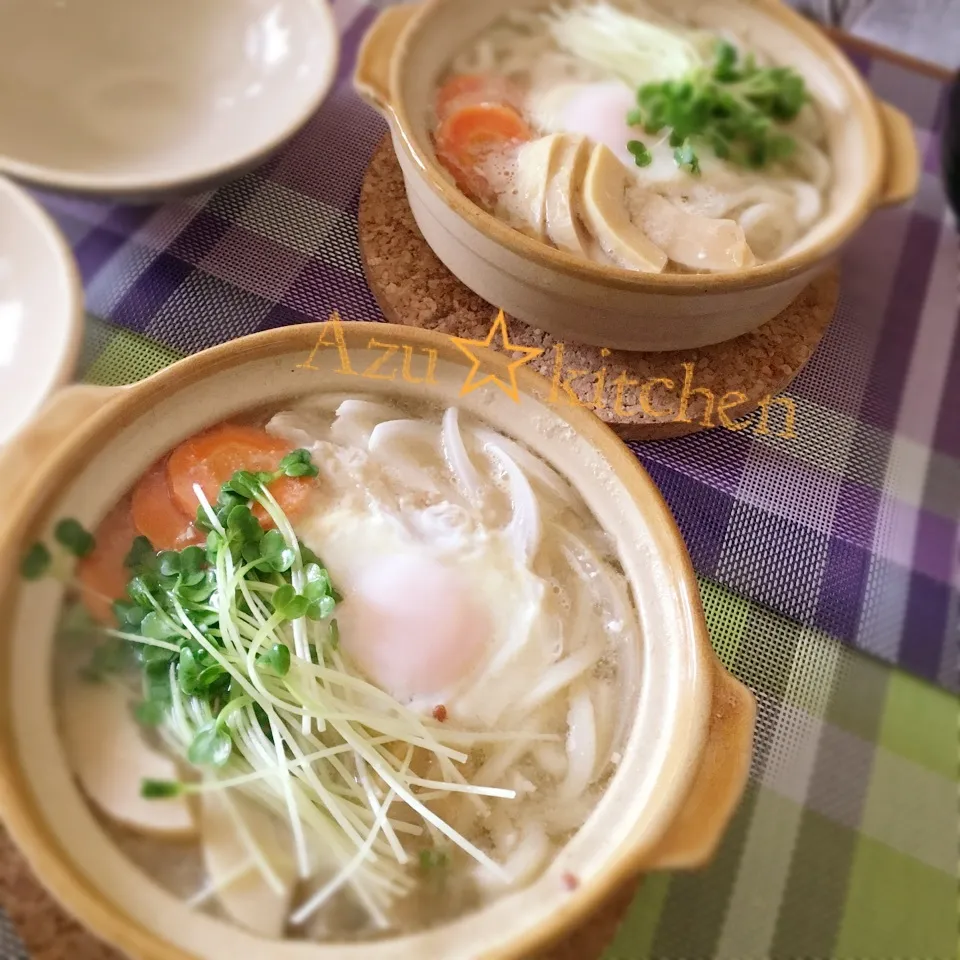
x=345, y=669
x=619, y=134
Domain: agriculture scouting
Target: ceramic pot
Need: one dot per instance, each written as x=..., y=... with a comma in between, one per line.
x=872, y=146
x=686, y=758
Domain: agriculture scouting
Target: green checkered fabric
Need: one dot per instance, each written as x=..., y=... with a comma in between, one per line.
x=846, y=844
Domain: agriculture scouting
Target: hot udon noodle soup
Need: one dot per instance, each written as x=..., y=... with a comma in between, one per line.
x=623, y=136
x=346, y=669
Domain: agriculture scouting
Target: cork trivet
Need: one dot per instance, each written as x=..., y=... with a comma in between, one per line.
x=414, y=288
x=50, y=934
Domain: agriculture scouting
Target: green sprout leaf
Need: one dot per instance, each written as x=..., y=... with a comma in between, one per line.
x=35, y=563
x=150, y=713
x=317, y=583
x=274, y=553
x=687, y=159
x=641, y=154
x=112, y=656
x=150, y=654
x=211, y=747
x=277, y=658
x=189, y=669
x=169, y=563
x=298, y=464
x=193, y=560
x=334, y=635
x=71, y=534
x=157, y=626
x=140, y=591
x=433, y=859
x=290, y=604
x=245, y=484
x=732, y=106
x=321, y=609
x=129, y=615
x=195, y=590
x=141, y=556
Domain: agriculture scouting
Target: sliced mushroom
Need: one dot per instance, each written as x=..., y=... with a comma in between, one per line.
x=563, y=228
x=700, y=243
x=110, y=759
x=246, y=895
x=608, y=216
x=526, y=205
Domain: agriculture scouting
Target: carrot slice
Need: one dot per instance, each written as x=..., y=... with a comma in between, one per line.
x=470, y=135
x=102, y=575
x=470, y=89
x=158, y=516
x=211, y=458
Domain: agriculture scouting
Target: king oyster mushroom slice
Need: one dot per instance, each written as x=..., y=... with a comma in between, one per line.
x=526, y=205
x=700, y=243
x=246, y=895
x=607, y=215
x=563, y=228
x=110, y=759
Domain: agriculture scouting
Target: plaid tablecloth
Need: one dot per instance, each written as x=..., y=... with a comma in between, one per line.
x=846, y=845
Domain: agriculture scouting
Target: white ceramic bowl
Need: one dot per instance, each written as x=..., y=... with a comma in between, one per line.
x=683, y=766
x=41, y=309
x=137, y=98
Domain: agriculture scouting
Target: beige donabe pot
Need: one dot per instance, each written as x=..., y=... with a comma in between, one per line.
x=872, y=144
x=684, y=765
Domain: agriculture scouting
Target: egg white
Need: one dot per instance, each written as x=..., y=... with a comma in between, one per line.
x=351, y=529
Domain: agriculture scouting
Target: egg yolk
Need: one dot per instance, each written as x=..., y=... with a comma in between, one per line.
x=412, y=626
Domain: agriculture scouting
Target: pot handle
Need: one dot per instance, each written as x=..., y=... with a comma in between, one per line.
x=63, y=413
x=371, y=77
x=718, y=785
x=903, y=157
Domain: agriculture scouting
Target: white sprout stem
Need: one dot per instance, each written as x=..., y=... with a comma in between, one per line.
x=385, y=774
x=145, y=641
x=208, y=510
x=276, y=514
x=463, y=788
x=208, y=786
x=253, y=848
x=300, y=844
x=212, y=888
x=305, y=911
x=372, y=799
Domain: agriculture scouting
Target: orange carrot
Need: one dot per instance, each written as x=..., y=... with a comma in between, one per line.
x=472, y=89
x=102, y=575
x=470, y=135
x=157, y=516
x=211, y=458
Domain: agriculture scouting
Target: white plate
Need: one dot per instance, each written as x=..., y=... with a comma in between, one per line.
x=139, y=98
x=41, y=309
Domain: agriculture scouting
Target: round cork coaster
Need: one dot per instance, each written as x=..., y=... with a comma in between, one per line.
x=50, y=934
x=643, y=396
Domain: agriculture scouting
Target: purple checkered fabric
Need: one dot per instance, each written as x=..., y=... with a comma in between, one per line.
x=850, y=528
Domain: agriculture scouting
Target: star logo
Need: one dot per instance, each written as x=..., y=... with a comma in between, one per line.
x=469, y=347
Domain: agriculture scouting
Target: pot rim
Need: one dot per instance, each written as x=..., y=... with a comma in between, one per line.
x=125, y=405
x=676, y=284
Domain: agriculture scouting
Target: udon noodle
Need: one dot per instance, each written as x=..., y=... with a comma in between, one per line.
x=567, y=170
x=449, y=701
